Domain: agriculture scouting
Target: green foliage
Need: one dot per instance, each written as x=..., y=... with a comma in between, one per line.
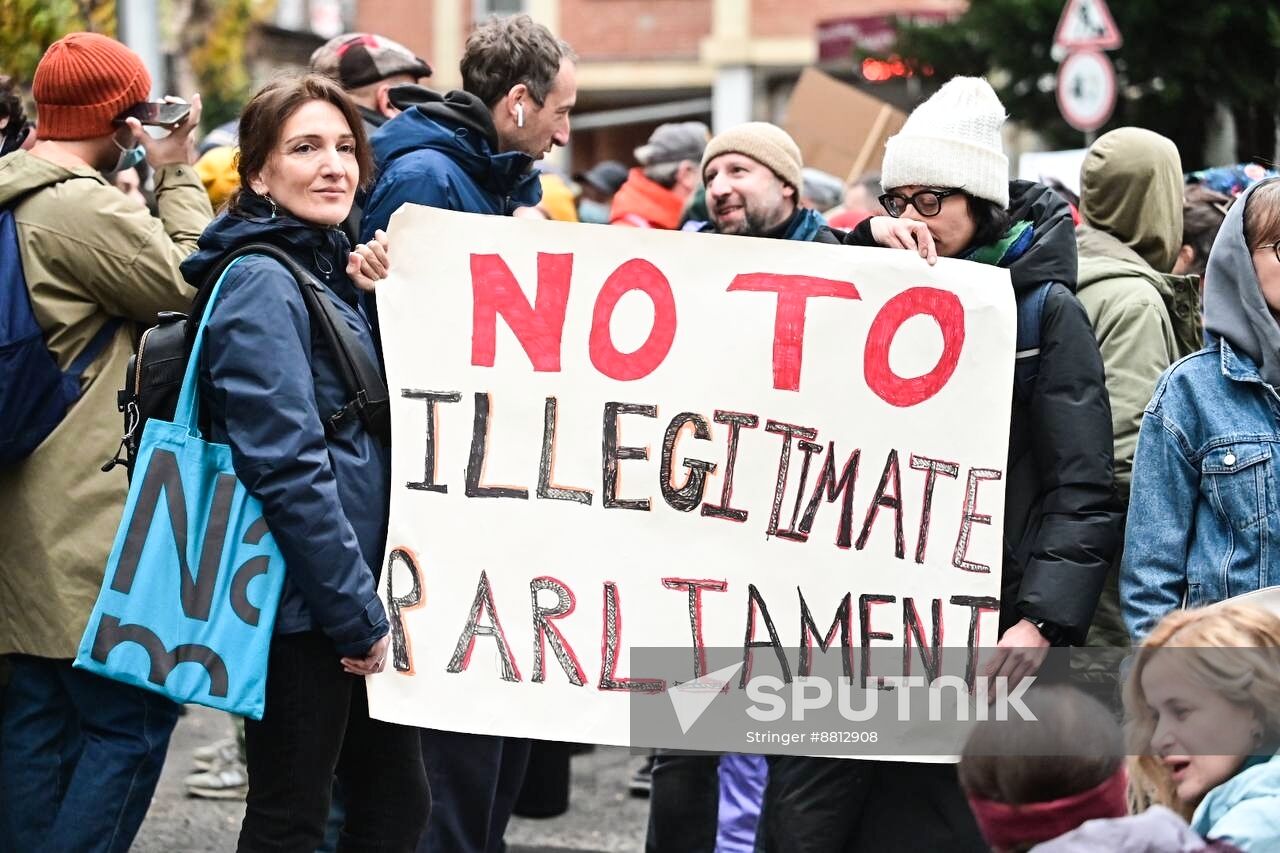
x=28, y=27
x=1178, y=60
x=213, y=38
x=219, y=61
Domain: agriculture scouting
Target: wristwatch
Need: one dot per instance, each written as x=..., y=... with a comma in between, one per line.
x=1049, y=630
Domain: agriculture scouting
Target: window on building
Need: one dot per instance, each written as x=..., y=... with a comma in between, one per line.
x=485, y=8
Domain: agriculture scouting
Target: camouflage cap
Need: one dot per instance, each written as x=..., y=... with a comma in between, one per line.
x=358, y=59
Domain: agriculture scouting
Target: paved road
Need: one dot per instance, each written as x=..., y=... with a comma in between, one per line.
x=602, y=817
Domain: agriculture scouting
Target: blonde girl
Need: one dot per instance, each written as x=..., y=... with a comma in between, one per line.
x=1203, y=706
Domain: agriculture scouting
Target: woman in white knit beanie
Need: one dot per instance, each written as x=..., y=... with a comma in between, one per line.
x=948, y=193
x=946, y=175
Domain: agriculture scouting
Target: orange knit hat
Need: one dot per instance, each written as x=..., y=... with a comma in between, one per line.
x=83, y=82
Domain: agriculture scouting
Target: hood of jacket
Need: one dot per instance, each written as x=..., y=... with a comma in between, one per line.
x=1103, y=256
x=643, y=198
x=323, y=251
x=1233, y=305
x=1256, y=784
x=1156, y=830
x=460, y=126
x=1050, y=254
x=1131, y=188
x=22, y=173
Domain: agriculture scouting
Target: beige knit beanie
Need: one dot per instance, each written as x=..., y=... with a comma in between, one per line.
x=765, y=143
x=952, y=140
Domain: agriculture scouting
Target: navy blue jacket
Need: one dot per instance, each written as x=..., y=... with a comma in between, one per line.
x=444, y=153
x=266, y=380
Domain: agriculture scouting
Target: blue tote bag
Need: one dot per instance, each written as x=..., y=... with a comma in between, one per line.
x=191, y=589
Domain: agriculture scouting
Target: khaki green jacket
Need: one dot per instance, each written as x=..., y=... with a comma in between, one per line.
x=89, y=254
x=1144, y=321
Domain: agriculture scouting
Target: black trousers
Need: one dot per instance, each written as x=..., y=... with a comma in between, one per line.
x=475, y=780
x=684, y=803
x=835, y=805
x=316, y=726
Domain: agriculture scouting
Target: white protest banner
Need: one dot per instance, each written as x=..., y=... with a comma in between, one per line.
x=611, y=438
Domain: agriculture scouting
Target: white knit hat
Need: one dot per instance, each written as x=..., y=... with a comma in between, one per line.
x=952, y=140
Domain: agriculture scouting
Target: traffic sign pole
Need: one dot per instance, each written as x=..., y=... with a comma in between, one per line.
x=1086, y=77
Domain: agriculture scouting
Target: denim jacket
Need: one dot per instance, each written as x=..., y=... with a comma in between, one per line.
x=1202, y=519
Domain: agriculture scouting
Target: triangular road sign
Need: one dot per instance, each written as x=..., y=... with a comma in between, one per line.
x=1087, y=24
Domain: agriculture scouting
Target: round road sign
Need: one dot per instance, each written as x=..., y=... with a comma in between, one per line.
x=1086, y=90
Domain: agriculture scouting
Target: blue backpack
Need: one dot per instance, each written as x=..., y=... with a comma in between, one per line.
x=1026, y=365
x=35, y=394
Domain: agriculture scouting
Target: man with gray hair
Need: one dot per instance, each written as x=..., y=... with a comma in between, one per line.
x=655, y=194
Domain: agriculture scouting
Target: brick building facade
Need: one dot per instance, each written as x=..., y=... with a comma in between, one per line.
x=642, y=62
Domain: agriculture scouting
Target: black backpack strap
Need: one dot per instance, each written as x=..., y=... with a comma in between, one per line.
x=361, y=377
x=369, y=399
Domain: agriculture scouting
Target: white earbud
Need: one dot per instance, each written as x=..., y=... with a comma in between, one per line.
x=519, y=115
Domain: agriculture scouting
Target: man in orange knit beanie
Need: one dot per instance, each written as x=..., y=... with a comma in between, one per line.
x=80, y=755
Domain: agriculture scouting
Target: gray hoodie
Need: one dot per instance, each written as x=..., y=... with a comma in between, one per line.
x=1233, y=305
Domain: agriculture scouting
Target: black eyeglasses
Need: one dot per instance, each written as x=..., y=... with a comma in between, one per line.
x=927, y=202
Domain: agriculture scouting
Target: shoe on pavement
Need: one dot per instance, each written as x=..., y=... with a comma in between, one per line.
x=216, y=754
x=642, y=780
x=229, y=782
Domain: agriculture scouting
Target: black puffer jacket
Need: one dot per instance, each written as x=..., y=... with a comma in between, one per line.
x=1062, y=521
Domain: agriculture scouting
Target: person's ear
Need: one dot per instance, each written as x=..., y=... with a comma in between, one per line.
x=515, y=103
x=383, y=98
x=1186, y=257
x=687, y=175
x=788, y=191
x=258, y=185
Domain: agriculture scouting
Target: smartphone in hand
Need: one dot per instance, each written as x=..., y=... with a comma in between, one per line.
x=164, y=114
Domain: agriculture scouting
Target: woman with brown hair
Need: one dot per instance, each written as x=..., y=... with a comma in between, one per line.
x=1056, y=783
x=1028, y=781
x=273, y=390
x=1203, y=212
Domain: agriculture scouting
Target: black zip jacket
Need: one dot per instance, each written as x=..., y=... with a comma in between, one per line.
x=1062, y=520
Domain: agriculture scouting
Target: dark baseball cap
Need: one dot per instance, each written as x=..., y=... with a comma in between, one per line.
x=359, y=59
x=605, y=176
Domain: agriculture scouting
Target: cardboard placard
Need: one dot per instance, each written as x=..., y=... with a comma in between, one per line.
x=614, y=438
